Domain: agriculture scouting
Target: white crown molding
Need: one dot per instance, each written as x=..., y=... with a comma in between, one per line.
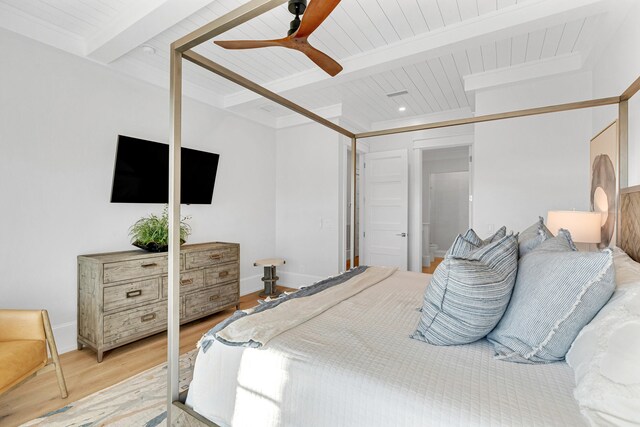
x=34, y=28
x=523, y=72
x=329, y=112
x=461, y=113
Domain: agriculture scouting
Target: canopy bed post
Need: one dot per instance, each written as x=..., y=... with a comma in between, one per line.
x=173, y=333
x=354, y=200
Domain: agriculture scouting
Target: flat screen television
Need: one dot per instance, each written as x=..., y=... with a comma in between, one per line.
x=141, y=173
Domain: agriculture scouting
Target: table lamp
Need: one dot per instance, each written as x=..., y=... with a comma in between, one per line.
x=583, y=226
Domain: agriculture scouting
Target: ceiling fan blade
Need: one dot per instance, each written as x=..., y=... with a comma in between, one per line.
x=250, y=44
x=316, y=13
x=321, y=59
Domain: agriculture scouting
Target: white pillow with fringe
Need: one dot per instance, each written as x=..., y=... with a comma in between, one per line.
x=605, y=357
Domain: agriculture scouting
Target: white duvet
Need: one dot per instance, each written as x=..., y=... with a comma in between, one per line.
x=355, y=365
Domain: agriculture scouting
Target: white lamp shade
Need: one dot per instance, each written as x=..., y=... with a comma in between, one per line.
x=583, y=226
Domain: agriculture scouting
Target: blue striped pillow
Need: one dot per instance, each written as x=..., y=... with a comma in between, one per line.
x=469, y=292
x=558, y=291
x=472, y=236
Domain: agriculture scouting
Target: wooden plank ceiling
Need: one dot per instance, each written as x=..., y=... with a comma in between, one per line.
x=434, y=82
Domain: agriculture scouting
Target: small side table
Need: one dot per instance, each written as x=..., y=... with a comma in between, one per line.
x=270, y=277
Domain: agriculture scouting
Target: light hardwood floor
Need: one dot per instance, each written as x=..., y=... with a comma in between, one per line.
x=432, y=267
x=85, y=376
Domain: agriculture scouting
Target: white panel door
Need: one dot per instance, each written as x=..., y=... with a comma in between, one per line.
x=386, y=186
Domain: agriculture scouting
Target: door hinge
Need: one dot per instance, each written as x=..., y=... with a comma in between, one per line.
x=364, y=234
x=470, y=159
x=364, y=165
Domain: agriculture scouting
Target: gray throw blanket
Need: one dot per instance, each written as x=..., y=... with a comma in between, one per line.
x=210, y=336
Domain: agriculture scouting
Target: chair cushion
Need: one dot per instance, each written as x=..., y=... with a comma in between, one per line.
x=20, y=325
x=19, y=359
x=469, y=292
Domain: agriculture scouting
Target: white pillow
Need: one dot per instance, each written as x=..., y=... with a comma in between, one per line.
x=605, y=357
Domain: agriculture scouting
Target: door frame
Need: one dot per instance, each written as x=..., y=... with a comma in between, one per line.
x=361, y=149
x=415, y=207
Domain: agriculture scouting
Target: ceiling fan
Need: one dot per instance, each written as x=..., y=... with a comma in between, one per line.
x=300, y=30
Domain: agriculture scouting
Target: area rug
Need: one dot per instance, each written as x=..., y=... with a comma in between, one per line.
x=136, y=401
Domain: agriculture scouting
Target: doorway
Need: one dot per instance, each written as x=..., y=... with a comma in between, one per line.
x=446, y=198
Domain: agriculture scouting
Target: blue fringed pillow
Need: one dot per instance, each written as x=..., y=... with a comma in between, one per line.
x=557, y=292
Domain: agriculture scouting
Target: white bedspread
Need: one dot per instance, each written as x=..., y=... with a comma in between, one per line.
x=355, y=365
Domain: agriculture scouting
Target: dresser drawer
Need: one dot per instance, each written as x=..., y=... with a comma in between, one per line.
x=130, y=294
x=211, y=257
x=133, y=269
x=221, y=273
x=135, y=322
x=189, y=280
x=209, y=300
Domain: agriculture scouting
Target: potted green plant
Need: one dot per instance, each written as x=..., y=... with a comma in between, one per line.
x=151, y=233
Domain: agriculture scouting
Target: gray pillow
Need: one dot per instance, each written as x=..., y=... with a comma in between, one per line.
x=558, y=291
x=530, y=238
x=469, y=292
x=472, y=236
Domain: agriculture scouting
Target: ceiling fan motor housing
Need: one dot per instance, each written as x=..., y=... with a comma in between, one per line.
x=297, y=7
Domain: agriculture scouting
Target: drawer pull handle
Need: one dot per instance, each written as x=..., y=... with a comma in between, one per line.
x=214, y=297
x=215, y=256
x=153, y=264
x=223, y=274
x=186, y=282
x=133, y=294
x=148, y=317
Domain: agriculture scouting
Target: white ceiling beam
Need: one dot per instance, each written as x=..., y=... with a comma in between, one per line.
x=141, y=22
x=290, y=120
x=501, y=24
x=522, y=72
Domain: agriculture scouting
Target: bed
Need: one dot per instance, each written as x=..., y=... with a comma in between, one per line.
x=356, y=363
x=353, y=363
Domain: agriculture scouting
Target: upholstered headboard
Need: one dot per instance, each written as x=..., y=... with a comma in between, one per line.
x=629, y=227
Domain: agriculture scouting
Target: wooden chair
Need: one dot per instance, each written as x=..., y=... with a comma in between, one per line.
x=24, y=337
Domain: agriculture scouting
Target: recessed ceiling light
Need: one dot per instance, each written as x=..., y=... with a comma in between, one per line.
x=149, y=50
x=402, y=109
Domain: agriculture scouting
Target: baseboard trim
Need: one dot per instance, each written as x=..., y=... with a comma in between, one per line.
x=251, y=284
x=66, y=334
x=297, y=280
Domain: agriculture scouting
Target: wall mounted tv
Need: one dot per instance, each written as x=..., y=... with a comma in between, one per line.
x=141, y=173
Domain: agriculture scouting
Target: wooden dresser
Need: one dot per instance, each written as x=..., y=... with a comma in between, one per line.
x=122, y=296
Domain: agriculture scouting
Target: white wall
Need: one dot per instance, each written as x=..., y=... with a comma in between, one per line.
x=308, y=203
x=613, y=72
x=59, y=119
x=527, y=166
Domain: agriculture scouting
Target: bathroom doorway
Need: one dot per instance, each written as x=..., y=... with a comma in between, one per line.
x=446, y=198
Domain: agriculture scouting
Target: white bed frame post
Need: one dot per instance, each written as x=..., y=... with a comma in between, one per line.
x=173, y=331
